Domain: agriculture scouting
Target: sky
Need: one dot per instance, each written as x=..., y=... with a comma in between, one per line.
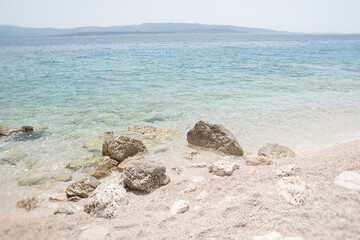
x=340, y=16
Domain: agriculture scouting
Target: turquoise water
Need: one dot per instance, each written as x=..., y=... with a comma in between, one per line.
x=299, y=90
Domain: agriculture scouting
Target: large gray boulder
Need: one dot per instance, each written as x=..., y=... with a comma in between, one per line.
x=214, y=136
x=120, y=147
x=275, y=151
x=106, y=200
x=145, y=175
x=82, y=188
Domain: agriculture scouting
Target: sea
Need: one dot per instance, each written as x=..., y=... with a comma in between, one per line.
x=302, y=91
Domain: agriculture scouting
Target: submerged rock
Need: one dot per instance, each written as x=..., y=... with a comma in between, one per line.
x=83, y=161
x=95, y=143
x=288, y=170
x=145, y=175
x=27, y=203
x=180, y=206
x=148, y=131
x=104, y=168
x=4, y=131
x=119, y=148
x=82, y=188
x=214, y=136
x=222, y=167
x=64, y=177
x=275, y=151
x=106, y=200
x=293, y=190
x=14, y=158
x=32, y=181
x=349, y=180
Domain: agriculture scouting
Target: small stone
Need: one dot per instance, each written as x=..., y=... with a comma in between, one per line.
x=58, y=197
x=177, y=170
x=257, y=160
x=82, y=188
x=45, y=187
x=275, y=151
x=293, y=190
x=349, y=180
x=288, y=170
x=39, y=198
x=32, y=181
x=29, y=164
x=13, y=159
x=66, y=209
x=104, y=168
x=180, y=206
x=27, y=203
x=64, y=177
x=222, y=167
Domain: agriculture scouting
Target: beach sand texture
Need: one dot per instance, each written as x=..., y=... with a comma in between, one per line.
x=240, y=206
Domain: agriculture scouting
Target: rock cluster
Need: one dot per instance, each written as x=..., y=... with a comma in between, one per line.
x=120, y=147
x=214, y=136
x=145, y=175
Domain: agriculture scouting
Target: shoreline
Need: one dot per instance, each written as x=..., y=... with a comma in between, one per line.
x=250, y=205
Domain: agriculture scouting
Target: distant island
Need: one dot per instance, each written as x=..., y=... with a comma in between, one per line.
x=145, y=28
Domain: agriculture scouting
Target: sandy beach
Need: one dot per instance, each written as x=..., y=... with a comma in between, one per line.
x=240, y=206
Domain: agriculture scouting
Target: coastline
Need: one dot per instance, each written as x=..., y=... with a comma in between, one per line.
x=239, y=206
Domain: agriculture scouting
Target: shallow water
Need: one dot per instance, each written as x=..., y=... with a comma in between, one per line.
x=299, y=90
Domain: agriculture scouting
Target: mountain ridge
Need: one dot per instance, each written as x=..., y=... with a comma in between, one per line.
x=144, y=28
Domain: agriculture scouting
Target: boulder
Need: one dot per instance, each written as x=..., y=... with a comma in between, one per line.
x=275, y=151
x=257, y=160
x=349, y=180
x=180, y=206
x=288, y=170
x=145, y=175
x=82, y=188
x=104, y=168
x=119, y=148
x=26, y=203
x=275, y=236
x=214, y=136
x=293, y=190
x=106, y=200
x=222, y=167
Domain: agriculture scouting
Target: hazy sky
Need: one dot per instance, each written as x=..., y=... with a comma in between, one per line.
x=290, y=15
